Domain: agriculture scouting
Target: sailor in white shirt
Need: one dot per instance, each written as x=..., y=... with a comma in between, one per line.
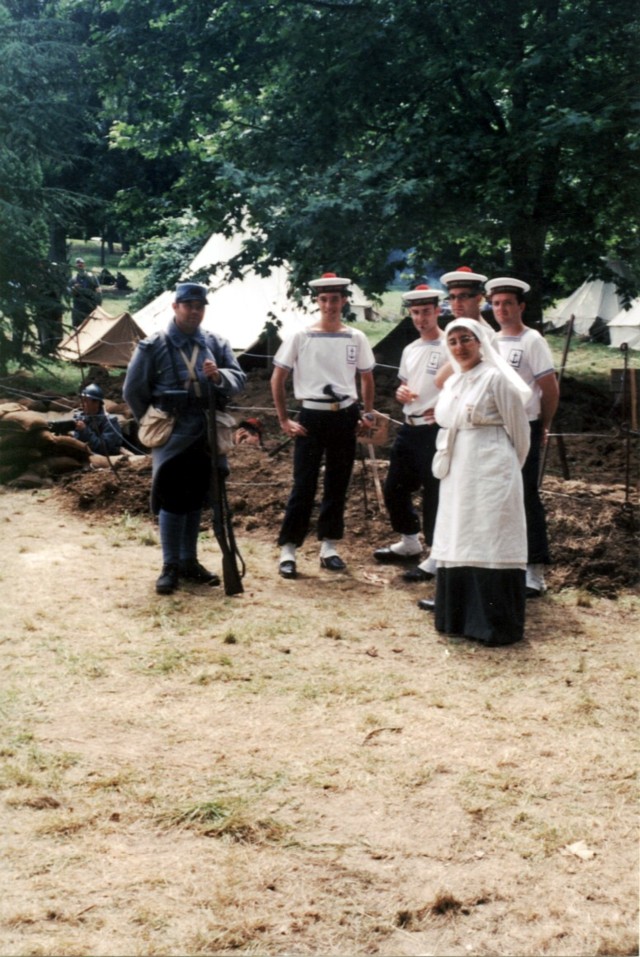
x=528, y=354
x=412, y=452
x=326, y=360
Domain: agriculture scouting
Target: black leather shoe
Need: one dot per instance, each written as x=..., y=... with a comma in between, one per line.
x=333, y=563
x=193, y=571
x=288, y=569
x=533, y=592
x=416, y=575
x=386, y=556
x=168, y=581
x=427, y=604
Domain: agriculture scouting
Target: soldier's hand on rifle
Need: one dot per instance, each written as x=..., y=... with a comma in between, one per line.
x=211, y=371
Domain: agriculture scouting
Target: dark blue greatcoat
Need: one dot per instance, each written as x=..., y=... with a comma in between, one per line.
x=151, y=373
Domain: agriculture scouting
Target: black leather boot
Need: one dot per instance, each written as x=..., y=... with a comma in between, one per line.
x=168, y=581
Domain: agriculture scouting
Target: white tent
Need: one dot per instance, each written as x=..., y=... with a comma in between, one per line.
x=625, y=327
x=239, y=308
x=593, y=299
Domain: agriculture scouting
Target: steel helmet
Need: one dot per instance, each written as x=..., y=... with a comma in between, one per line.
x=92, y=391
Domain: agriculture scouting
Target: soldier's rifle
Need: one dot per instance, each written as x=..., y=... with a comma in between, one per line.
x=221, y=513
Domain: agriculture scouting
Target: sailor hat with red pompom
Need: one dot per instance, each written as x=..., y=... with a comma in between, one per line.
x=329, y=282
x=422, y=295
x=463, y=276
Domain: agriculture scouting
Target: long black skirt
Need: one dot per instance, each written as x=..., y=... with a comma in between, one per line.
x=485, y=604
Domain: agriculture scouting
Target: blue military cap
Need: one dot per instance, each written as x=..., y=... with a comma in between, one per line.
x=186, y=291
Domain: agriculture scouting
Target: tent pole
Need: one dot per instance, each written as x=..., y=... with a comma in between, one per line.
x=560, y=440
x=627, y=393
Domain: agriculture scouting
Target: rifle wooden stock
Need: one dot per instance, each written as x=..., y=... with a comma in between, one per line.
x=221, y=514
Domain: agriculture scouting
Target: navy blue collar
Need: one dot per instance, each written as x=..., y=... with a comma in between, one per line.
x=179, y=339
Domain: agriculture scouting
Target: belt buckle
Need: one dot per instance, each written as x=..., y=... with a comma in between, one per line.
x=335, y=406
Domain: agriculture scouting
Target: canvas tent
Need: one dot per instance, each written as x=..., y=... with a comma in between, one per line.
x=594, y=299
x=625, y=327
x=239, y=308
x=102, y=340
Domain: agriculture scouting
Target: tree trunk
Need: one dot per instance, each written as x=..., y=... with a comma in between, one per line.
x=57, y=244
x=527, y=253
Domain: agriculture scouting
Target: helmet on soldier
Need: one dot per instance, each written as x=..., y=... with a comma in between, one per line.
x=92, y=391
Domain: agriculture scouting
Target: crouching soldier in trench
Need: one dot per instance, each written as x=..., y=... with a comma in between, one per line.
x=174, y=370
x=101, y=432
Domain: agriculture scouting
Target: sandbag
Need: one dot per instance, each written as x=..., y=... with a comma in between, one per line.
x=20, y=456
x=29, y=480
x=6, y=407
x=18, y=439
x=67, y=445
x=56, y=465
x=26, y=420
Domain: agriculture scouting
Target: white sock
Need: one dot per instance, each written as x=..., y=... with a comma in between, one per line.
x=409, y=545
x=429, y=566
x=288, y=552
x=328, y=548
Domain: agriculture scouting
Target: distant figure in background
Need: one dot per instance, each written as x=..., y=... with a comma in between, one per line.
x=526, y=351
x=85, y=293
x=101, y=432
x=48, y=290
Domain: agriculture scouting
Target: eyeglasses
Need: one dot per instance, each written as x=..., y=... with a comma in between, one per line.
x=461, y=341
x=462, y=296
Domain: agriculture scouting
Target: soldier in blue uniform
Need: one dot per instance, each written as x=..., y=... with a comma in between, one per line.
x=174, y=370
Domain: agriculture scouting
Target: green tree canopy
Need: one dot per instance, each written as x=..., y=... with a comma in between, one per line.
x=501, y=134
x=38, y=130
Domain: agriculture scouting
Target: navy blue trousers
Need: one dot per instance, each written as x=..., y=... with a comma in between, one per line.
x=332, y=436
x=410, y=471
x=537, y=540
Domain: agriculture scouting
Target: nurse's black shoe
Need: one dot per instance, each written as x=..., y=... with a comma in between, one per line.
x=427, y=604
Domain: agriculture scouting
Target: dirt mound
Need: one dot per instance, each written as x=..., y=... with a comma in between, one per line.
x=589, y=486
x=593, y=524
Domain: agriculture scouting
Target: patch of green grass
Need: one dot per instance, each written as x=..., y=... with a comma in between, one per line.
x=134, y=528
x=168, y=660
x=227, y=818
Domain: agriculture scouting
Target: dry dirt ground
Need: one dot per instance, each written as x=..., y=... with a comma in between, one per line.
x=308, y=768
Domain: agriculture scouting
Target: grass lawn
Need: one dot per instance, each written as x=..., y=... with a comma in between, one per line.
x=114, y=301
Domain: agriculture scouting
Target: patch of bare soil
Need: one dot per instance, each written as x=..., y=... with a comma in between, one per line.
x=307, y=767
x=592, y=515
